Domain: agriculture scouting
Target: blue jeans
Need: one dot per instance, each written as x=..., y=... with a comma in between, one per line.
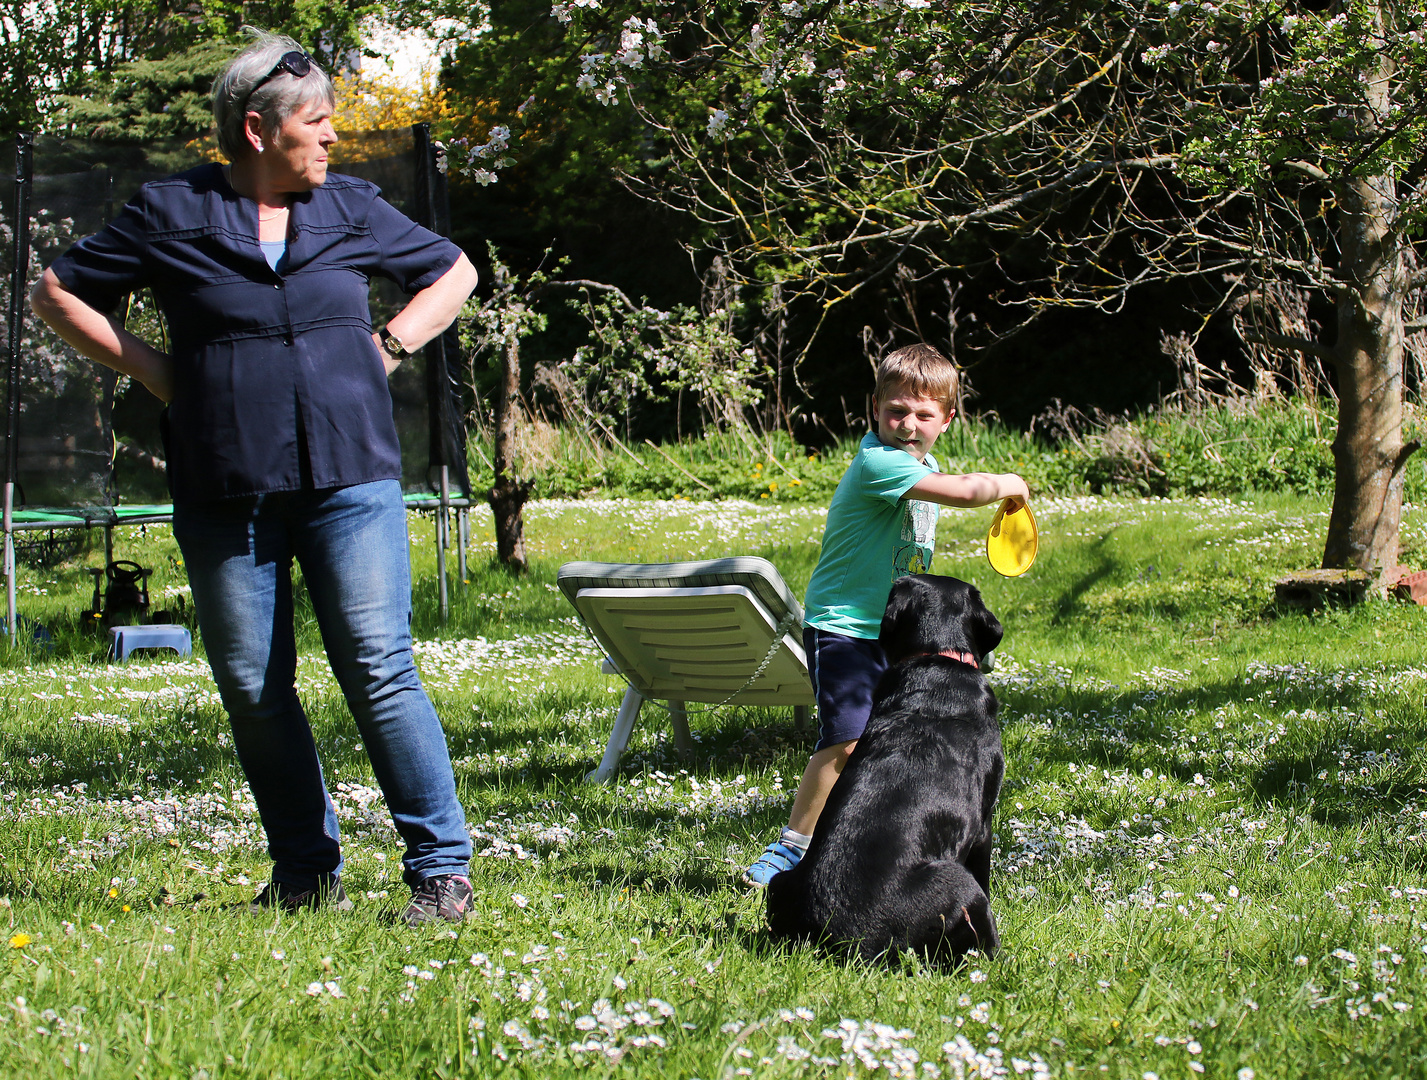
x=351, y=544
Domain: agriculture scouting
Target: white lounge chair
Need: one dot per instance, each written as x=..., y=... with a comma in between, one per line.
x=719, y=632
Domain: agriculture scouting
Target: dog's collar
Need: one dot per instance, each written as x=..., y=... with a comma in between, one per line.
x=964, y=657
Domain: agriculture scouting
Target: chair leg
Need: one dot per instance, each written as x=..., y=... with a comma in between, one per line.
x=618, y=738
x=679, y=722
x=801, y=715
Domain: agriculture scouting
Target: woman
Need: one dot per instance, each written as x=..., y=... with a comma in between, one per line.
x=281, y=445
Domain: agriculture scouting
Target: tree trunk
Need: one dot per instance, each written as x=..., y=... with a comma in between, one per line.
x=508, y=496
x=1368, y=451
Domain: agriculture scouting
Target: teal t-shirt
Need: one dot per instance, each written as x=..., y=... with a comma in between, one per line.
x=873, y=537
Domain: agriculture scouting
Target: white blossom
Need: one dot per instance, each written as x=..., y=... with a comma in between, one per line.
x=565, y=11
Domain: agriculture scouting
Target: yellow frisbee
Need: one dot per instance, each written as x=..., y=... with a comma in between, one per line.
x=1011, y=543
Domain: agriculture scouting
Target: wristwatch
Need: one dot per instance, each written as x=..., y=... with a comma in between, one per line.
x=392, y=344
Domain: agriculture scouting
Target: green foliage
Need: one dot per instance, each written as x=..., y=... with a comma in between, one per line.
x=1332, y=89
x=1229, y=450
x=568, y=150
x=731, y=464
x=75, y=64
x=1285, y=449
x=499, y=323
x=146, y=100
x=643, y=351
x=1234, y=450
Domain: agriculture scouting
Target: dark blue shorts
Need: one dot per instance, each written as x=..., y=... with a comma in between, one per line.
x=845, y=670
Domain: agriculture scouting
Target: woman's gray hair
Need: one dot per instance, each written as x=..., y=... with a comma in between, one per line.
x=237, y=91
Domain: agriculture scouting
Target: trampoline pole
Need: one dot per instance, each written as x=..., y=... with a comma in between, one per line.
x=442, y=523
x=463, y=537
x=10, y=562
x=19, y=272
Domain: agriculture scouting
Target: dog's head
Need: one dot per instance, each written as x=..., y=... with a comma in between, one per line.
x=927, y=613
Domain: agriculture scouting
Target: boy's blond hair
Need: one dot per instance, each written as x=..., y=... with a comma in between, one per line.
x=919, y=370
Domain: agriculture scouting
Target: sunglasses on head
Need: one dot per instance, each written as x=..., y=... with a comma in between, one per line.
x=296, y=64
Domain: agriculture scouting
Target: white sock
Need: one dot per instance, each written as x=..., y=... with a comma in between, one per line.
x=796, y=840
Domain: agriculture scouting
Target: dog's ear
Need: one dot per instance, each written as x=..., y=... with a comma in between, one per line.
x=984, y=628
x=901, y=621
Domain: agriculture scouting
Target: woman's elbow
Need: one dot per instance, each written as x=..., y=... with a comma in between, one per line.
x=464, y=276
x=452, y=288
x=44, y=295
x=40, y=293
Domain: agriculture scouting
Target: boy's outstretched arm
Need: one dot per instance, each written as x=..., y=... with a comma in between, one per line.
x=969, y=489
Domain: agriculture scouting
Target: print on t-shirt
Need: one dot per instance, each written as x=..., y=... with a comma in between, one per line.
x=913, y=553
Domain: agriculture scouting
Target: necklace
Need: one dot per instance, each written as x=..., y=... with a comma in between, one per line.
x=279, y=212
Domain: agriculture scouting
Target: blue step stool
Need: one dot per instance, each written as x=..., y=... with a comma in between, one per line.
x=125, y=639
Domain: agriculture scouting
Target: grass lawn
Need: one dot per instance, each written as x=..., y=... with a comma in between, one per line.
x=1211, y=840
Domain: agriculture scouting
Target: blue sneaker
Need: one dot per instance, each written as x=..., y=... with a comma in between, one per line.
x=777, y=857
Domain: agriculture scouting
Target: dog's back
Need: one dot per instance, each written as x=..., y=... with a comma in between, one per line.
x=900, y=857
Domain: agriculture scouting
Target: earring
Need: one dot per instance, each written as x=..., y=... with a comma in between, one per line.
x=260, y=148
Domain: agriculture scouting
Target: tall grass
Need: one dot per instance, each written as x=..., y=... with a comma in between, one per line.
x=1236, y=448
x=1210, y=846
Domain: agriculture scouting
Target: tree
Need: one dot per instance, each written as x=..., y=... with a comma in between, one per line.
x=494, y=327
x=1074, y=151
x=633, y=350
x=567, y=152
x=380, y=103
x=166, y=99
x=61, y=48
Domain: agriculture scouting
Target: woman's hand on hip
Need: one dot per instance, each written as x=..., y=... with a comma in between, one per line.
x=432, y=309
x=100, y=337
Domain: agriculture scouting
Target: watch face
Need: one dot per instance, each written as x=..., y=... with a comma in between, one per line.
x=392, y=345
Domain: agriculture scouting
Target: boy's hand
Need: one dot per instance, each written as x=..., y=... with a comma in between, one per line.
x=1015, y=490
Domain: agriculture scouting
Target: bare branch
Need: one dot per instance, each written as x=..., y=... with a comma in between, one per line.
x=581, y=283
x=1290, y=344
x=1308, y=169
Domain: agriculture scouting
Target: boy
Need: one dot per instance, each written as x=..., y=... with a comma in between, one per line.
x=881, y=526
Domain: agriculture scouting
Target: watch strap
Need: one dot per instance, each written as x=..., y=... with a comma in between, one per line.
x=392, y=344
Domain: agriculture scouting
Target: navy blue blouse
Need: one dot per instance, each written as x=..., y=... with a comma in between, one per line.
x=277, y=383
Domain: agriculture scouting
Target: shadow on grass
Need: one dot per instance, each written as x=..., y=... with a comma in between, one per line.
x=724, y=738
x=60, y=638
x=1065, y=608
x=1306, y=767
x=623, y=875
x=180, y=750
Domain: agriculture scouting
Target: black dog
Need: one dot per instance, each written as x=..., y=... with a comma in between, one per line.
x=901, y=856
